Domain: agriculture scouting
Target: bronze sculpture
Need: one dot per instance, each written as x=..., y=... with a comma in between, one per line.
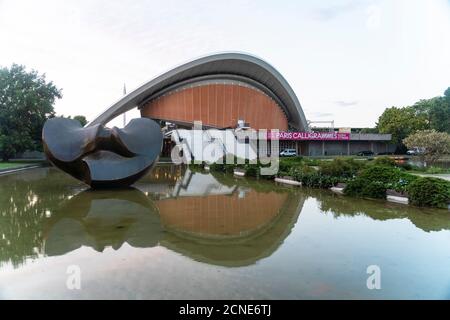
x=103, y=157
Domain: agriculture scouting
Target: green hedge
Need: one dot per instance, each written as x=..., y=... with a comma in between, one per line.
x=384, y=161
x=391, y=177
x=429, y=192
x=373, y=181
x=362, y=188
x=340, y=167
x=318, y=180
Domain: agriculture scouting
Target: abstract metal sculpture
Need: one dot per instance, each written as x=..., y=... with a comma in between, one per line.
x=103, y=157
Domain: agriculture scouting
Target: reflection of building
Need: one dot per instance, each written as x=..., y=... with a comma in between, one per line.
x=226, y=223
x=228, y=89
x=200, y=217
x=44, y=212
x=234, y=240
x=221, y=215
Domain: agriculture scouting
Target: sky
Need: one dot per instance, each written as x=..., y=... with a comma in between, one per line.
x=346, y=60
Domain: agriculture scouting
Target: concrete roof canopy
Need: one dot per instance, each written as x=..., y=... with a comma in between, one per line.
x=231, y=65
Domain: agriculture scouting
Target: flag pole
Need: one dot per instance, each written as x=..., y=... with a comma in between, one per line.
x=124, y=114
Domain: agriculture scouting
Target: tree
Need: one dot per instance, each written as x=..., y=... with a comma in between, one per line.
x=447, y=94
x=401, y=122
x=435, y=144
x=437, y=111
x=26, y=101
x=81, y=119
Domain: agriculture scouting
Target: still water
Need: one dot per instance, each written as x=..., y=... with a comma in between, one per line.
x=185, y=235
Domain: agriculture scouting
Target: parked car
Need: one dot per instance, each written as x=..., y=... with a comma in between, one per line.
x=366, y=153
x=415, y=151
x=288, y=153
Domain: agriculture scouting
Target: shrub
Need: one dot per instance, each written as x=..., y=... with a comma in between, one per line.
x=405, y=166
x=374, y=180
x=429, y=192
x=380, y=173
x=196, y=167
x=374, y=189
x=252, y=170
x=360, y=188
x=354, y=187
x=301, y=170
x=402, y=183
x=312, y=162
x=391, y=177
x=339, y=167
x=384, y=161
x=313, y=179
x=221, y=166
x=435, y=170
x=291, y=160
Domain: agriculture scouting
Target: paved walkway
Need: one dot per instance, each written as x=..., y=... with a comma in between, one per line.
x=445, y=176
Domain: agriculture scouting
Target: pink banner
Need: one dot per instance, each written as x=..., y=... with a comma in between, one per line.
x=329, y=136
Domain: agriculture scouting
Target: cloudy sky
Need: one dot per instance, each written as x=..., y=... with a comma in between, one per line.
x=346, y=60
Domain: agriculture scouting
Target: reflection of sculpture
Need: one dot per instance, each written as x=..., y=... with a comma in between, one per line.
x=100, y=219
x=103, y=157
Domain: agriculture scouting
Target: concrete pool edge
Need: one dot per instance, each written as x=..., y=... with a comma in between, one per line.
x=22, y=168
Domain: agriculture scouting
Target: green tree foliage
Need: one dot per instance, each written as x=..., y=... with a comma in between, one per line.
x=435, y=144
x=369, y=130
x=437, y=112
x=433, y=114
x=81, y=119
x=401, y=122
x=26, y=101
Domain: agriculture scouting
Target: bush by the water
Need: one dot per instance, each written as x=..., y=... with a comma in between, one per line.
x=429, y=192
x=222, y=166
x=384, y=161
x=362, y=188
x=373, y=181
x=391, y=177
x=405, y=166
x=340, y=167
x=436, y=170
x=317, y=180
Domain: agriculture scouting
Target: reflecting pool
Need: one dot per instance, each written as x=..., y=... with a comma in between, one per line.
x=179, y=234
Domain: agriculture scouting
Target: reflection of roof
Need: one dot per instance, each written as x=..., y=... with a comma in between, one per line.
x=234, y=66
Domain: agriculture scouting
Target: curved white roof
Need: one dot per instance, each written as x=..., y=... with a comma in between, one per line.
x=234, y=65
